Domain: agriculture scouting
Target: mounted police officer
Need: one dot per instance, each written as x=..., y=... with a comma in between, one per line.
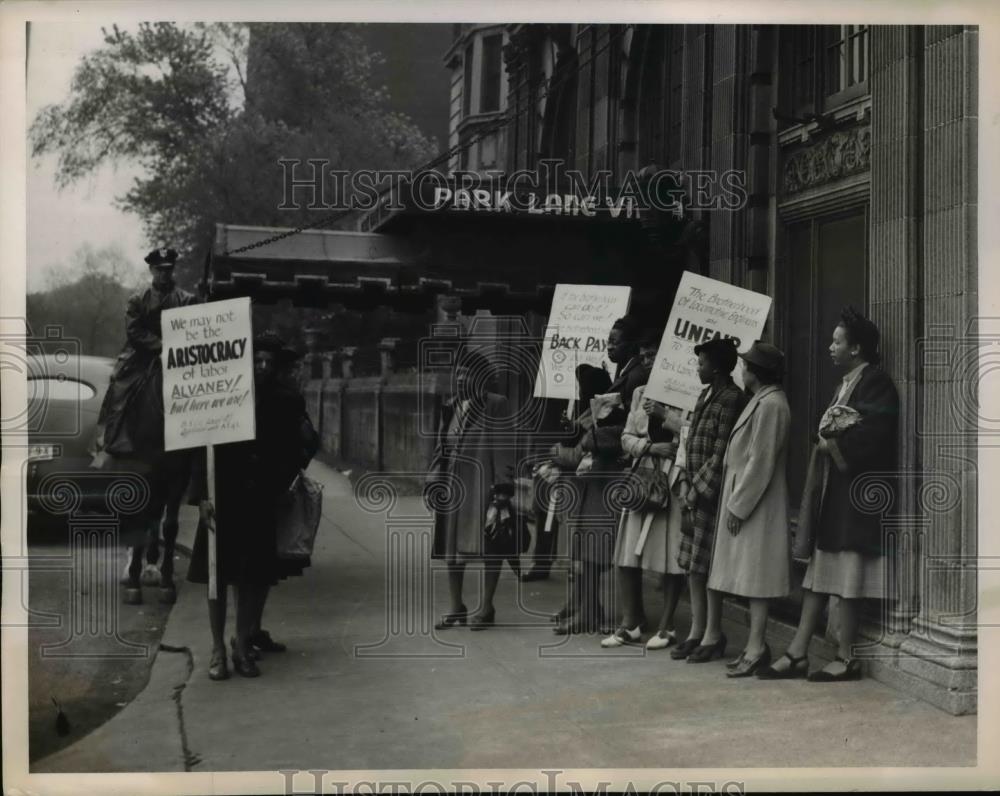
x=130, y=426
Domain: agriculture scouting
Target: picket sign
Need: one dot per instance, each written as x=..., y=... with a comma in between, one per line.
x=208, y=396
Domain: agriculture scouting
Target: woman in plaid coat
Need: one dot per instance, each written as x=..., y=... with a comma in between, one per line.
x=715, y=414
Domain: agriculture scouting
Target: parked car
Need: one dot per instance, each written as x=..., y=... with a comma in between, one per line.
x=64, y=399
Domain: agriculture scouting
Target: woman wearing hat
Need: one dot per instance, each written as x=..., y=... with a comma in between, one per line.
x=715, y=414
x=472, y=466
x=751, y=556
x=250, y=479
x=848, y=560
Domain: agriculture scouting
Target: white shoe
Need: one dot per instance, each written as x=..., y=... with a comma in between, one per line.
x=622, y=636
x=662, y=640
x=150, y=575
x=128, y=560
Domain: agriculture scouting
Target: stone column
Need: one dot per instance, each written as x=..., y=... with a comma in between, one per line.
x=347, y=354
x=939, y=653
x=895, y=288
x=327, y=359
x=730, y=142
x=387, y=355
x=311, y=337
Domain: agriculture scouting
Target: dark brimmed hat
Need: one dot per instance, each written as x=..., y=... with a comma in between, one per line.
x=721, y=352
x=288, y=355
x=161, y=258
x=765, y=356
x=592, y=380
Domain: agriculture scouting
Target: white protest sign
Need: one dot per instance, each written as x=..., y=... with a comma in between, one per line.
x=577, y=334
x=703, y=309
x=207, y=362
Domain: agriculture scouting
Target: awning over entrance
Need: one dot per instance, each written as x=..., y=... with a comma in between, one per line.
x=504, y=263
x=316, y=268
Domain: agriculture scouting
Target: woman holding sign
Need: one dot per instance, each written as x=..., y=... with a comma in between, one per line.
x=650, y=537
x=592, y=520
x=251, y=478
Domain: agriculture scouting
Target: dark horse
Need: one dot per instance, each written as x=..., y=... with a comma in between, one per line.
x=133, y=418
x=168, y=475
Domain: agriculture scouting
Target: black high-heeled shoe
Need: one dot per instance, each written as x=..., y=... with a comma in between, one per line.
x=748, y=667
x=217, y=669
x=244, y=666
x=852, y=671
x=703, y=653
x=483, y=621
x=261, y=640
x=797, y=667
x=685, y=648
x=454, y=618
x=252, y=652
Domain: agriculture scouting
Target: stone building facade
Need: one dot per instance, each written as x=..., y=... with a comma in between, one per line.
x=859, y=146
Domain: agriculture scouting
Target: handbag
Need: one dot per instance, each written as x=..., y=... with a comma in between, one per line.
x=687, y=522
x=653, y=484
x=805, y=532
x=298, y=516
x=837, y=419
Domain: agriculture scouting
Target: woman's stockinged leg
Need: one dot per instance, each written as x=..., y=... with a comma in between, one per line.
x=456, y=575
x=590, y=605
x=247, y=599
x=632, y=610
x=758, y=627
x=850, y=616
x=672, y=586
x=259, y=609
x=812, y=609
x=713, y=617
x=217, y=620
x=491, y=577
x=699, y=609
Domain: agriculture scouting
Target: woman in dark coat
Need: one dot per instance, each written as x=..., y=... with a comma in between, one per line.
x=250, y=479
x=848, y=559
x=593, y=520
x=566, y=455
x=472, y=470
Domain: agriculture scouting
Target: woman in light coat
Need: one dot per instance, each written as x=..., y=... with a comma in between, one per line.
x=471, y=461
x=751, y=556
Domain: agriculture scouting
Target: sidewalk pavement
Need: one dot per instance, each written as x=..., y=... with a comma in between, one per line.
x=509, y=697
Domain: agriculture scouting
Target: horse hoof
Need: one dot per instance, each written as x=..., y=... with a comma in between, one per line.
x=150, y=576
x=168, y=595
x=133, y=596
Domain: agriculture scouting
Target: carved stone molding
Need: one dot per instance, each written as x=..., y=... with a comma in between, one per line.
x=840, y=154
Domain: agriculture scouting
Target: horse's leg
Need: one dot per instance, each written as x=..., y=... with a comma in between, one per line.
x=157, y=499
x=133, y=589
x=176, y=485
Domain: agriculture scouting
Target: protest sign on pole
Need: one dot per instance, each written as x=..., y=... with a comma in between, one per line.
x=577, y=333
x=703, y=309
x=208, y=398
x=207, y=363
